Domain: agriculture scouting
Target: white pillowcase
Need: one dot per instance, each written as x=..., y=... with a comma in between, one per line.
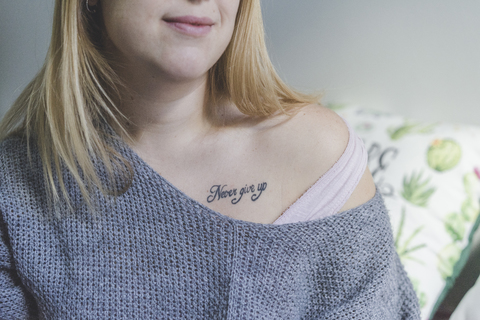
x=429, y=175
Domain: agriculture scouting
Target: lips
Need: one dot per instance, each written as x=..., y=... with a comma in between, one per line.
x=190, y=25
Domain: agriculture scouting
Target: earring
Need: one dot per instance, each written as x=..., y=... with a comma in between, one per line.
x=88, y=8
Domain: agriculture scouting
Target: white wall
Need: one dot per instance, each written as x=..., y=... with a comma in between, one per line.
x=418, y=58
x=24, y=35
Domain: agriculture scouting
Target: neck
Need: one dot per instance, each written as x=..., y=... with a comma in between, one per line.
x=162, y=109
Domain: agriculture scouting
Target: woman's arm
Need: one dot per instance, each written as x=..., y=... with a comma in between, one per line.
x=364, y=191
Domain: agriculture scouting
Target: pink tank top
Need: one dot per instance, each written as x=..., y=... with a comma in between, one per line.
x=330, y=193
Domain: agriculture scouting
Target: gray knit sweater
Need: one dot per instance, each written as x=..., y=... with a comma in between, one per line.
x=155, y=253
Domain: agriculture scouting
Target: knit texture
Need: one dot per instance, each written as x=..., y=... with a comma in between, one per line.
x=155, y=253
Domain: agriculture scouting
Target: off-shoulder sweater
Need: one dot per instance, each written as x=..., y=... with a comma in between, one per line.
x=155, y=253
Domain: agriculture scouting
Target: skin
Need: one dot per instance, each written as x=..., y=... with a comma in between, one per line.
x=166, y=73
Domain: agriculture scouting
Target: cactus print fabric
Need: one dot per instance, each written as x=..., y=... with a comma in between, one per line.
x=429, y=175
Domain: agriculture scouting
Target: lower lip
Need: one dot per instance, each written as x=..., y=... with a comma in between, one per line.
x=190, y=29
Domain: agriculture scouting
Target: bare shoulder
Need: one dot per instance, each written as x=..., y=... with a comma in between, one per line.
x=309, y=144
x=323, y=132
x=315, y=138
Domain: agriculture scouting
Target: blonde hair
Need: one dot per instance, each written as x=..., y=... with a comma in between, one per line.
x=76, y=89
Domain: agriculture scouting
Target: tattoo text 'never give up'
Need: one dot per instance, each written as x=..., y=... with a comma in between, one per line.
x=218, y=192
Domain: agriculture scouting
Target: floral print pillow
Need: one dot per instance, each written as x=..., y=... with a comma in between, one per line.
x=429, y=175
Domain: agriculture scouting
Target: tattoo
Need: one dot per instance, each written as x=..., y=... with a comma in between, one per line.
x=218, y=192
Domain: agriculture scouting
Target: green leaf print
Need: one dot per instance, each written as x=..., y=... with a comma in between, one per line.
x=397, y=133
x=470, y=209
x=471, y=184
x=447, y=258
x=471, y=206
x=443, y=155
x=416, y=190
x=404, y=249
x=455, y=226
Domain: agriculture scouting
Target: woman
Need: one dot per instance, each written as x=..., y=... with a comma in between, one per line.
x=157, y=167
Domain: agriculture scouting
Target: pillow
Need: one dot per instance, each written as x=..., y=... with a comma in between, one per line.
x=429, y=175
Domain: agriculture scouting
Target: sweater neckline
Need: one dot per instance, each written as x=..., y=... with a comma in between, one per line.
x=158, y=179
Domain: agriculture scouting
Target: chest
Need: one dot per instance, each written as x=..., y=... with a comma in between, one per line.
x=137, y=264
x=244, y=187
x=243, y=194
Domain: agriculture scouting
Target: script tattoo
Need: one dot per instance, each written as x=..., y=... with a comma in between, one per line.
x=218, y=192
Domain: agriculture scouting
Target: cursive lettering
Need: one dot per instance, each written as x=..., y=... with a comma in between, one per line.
x=219, y=192
x=379, y=159
x=261, y=187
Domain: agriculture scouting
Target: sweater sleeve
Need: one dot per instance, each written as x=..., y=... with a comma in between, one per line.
x=14, y=299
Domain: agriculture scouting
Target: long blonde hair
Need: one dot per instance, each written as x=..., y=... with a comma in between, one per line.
x=77, y=89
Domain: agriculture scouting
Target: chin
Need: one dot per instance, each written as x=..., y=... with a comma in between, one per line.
x=185, y=71
x=183, y=75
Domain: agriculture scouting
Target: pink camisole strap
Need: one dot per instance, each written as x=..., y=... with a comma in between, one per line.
x=330, y=193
